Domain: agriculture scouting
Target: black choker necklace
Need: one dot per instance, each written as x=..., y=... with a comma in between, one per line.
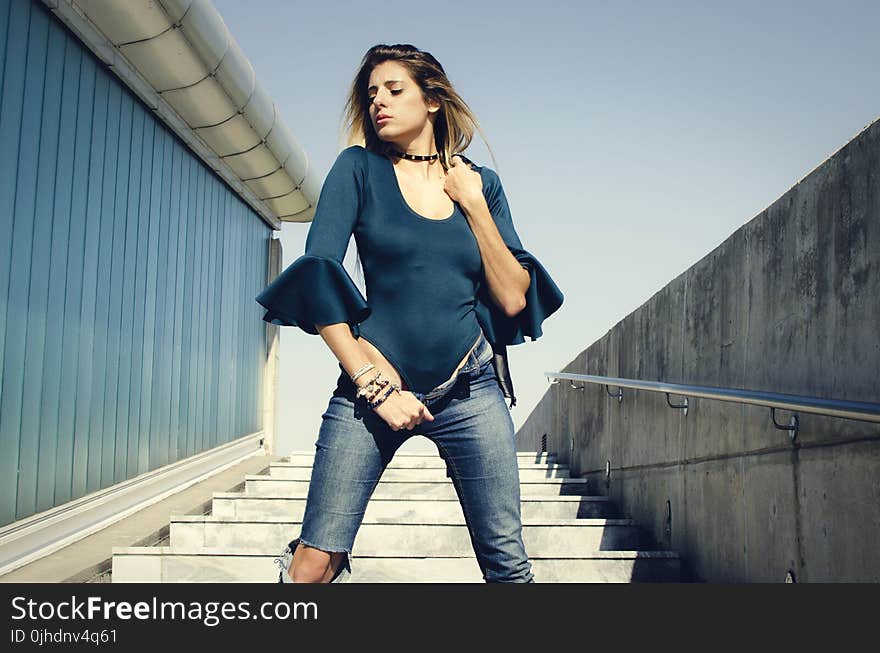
x=415, y=157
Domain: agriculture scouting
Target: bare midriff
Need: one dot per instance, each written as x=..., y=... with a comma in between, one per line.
x=377, y=358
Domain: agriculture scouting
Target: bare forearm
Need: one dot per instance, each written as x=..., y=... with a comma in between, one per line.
x=507, y=280
x=348, y=350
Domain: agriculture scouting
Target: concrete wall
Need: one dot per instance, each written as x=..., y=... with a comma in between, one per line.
x=789, y=303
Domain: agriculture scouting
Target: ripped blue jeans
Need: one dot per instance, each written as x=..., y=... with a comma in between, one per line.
x=473, y=432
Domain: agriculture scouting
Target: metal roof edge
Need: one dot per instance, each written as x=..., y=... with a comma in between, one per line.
x=180, y=59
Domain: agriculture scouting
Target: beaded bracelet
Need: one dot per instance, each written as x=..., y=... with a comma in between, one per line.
x=368, y=388
x=374, y=404
x=374, y=387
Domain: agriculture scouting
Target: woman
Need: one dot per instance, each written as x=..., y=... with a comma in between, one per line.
x=448, y=284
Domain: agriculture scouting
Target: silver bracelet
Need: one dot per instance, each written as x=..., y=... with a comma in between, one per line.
x=366, y=368
x=368, y=387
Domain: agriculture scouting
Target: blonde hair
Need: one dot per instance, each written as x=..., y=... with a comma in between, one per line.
x=455, y=122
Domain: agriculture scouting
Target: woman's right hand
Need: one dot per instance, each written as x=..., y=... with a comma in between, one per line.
x=403, y=411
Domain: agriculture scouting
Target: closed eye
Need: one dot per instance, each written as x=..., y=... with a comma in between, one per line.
x=394, y=92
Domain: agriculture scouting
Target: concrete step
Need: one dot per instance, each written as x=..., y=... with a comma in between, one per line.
x=212, y=565
x=238, y=504
x=402, y=459
x=527, y=472
x=257, y=484
x=413, y=530
x=542, y=537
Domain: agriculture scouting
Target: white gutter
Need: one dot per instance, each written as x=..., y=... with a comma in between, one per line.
x=179, y=57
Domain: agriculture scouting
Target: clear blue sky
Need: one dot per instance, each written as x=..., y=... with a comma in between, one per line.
x=631, y=137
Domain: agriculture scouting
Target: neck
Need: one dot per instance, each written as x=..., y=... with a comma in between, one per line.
x=421, y=145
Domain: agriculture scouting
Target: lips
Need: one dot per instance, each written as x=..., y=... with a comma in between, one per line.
x=382, y=117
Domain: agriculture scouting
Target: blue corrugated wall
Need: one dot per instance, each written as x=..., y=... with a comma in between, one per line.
x=129, y=337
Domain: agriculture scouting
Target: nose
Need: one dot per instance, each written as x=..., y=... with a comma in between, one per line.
x=378, y=102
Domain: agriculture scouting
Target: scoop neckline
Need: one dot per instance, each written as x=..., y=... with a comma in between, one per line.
x=406, y=204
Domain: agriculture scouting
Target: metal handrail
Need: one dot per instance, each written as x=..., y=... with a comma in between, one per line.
x=855, y=410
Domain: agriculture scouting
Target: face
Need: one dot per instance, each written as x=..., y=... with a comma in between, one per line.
x=393, y=93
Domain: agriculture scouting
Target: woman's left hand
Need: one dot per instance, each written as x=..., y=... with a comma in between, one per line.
x=463, y=184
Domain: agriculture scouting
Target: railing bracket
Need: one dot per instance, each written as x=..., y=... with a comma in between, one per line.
x=683, y=406
x=794, y=404
x=791, y=427
x=577, y=387
x=618, y=396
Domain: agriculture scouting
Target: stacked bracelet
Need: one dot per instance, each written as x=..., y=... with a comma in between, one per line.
x=371, y=386
x=364, y=369
x=374, y=404
x=370, y=390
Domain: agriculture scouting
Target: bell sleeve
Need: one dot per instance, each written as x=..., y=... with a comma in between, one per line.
x=543, y=297
x=316, y=289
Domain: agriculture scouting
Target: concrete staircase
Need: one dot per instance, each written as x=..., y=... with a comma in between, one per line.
x=413, y=531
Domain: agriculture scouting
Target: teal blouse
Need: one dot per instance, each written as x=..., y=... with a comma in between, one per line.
x=426, y=297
